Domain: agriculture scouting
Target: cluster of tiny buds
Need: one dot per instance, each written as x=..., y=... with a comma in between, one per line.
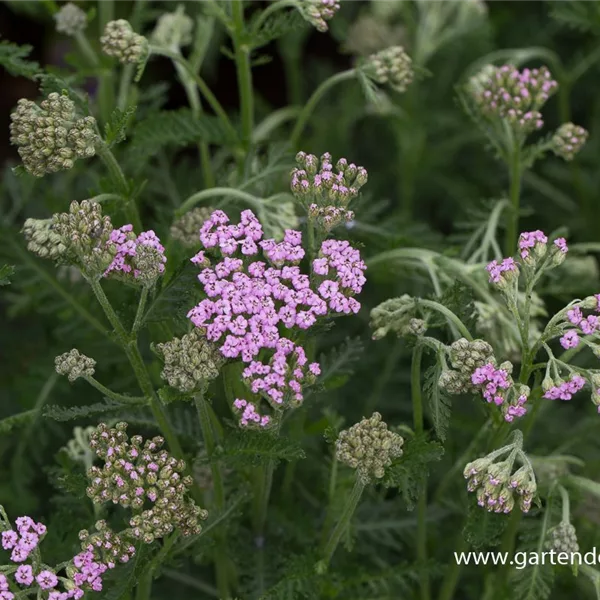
x=189, y=361
x=186, y=229
x=329, y=217
x=138, y=475
x=587, y=325
x=392, y=315
x=318, y=12
x=51, y=137
x=124, y=44
x=74, y=365
x=173, y=30
x=562, y=390
x=495, y=484
x=392, y=67
x=568, y=140
x=70, y=19
x=532, y=249
x=465, y=357
x=315, y=182
x=86, y=232
x=563, y=538
x=516, y=96
x=369, y=447
x=140, y=259
x=42, y=240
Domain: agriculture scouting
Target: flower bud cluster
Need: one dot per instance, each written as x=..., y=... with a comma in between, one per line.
x=514, y=96
x=563, y=538
x=51, y=137
x=392, y=67
x=187, y=228
x=124, y=44
x=318, y=12
x=465, y=357
x=392, y=315
x=587, y=325
x=369, y=448
x=137, y=259
x=147, y=479
x=568, y=140
x=42, y=240
x=24, y=540
x=324, y=193
x=562, y=390
x=70, y=20
x=497, y=386
x=189, y=361
x=86, y=234
x=496, y=485
x=74, y=365
x=173, y=30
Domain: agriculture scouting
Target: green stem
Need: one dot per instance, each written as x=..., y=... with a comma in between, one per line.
x=314, y=100
x=344, y=521
x=139, y=315
x=244, y=72
x=417, y=403
x=272, y=8
x=330, y=499
x=515, y=191
x=448, y=314
x=566, y=505
x=114, y=395
x=198, y=197
x=453, y=573
x=127, y=74
x=205, y=418
x=86, y=49
x=383, y=379
x=105, y=84
x=144, y=587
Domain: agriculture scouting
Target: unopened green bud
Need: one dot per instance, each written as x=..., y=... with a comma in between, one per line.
x=73, y=364
x=70, y=19
x=568, y=141
x=121, y=42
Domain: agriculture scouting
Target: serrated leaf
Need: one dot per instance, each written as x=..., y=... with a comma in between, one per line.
x=22, y=418
x=6, y=271
x=115, y=130
x=68, y=413
x=169, y=395
x=338, y=364
x=13, y=59
x=254, y=448
x=277, y=26
x=484, y=528
x=440, y=403
x=176, y=128
x=534, y=582
x=410, y=472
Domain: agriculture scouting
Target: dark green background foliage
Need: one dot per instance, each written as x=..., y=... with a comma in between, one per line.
x=430, y=186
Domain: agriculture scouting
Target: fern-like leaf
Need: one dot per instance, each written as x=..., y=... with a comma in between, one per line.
x=18, y=420
x=483, y=528
x=14, y=59
x=6, y=272
x=277, y=26
x=440, y=403
x=115, y=130
x=69, y=413
x=338, y=365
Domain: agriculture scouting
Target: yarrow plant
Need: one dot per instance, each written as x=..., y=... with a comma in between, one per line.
x=221, y=338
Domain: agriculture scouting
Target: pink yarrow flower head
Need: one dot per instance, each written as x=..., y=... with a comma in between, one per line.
x=532, y=246
x=502, y=273
x=559, y=251
x=513, y=96
x=566, y=389
x=137, y=259
x=258, y=299
x=24, y=575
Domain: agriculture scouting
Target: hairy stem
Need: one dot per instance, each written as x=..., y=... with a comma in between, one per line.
x=106, y=92
x=449, y=315
x=314, y=100
x=515, y=174
x=139, y=315
x=114, y=395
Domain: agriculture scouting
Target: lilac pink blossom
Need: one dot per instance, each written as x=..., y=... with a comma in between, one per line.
x=497, y=270
x=253, y=305
x=566, y=389
x=528, y=241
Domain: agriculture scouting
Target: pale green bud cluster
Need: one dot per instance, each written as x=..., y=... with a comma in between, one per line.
x=42, y=240
x=329, y=217
x=108, y=546
x=369, y=448
x=70, y=20
x=318, y=12
x=51, y=137
x=173, y=30
x=392, y=315
x=141, y=476
x=416, y=327
x=392, y=67
x=189, y=361
x=568, y=140
x=74, y=365
x=85, y=231
x=499, y=489
x=465, y=357
x=563, y=538
x=124, y=44
x=186, y=229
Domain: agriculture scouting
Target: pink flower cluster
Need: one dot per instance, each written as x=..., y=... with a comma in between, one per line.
x=587, y=325
x=23, y=541
x=528, y=240
x=496, y=387
x=497, y=270
x=249, y=301
x=566, y=389
x=127, y=246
